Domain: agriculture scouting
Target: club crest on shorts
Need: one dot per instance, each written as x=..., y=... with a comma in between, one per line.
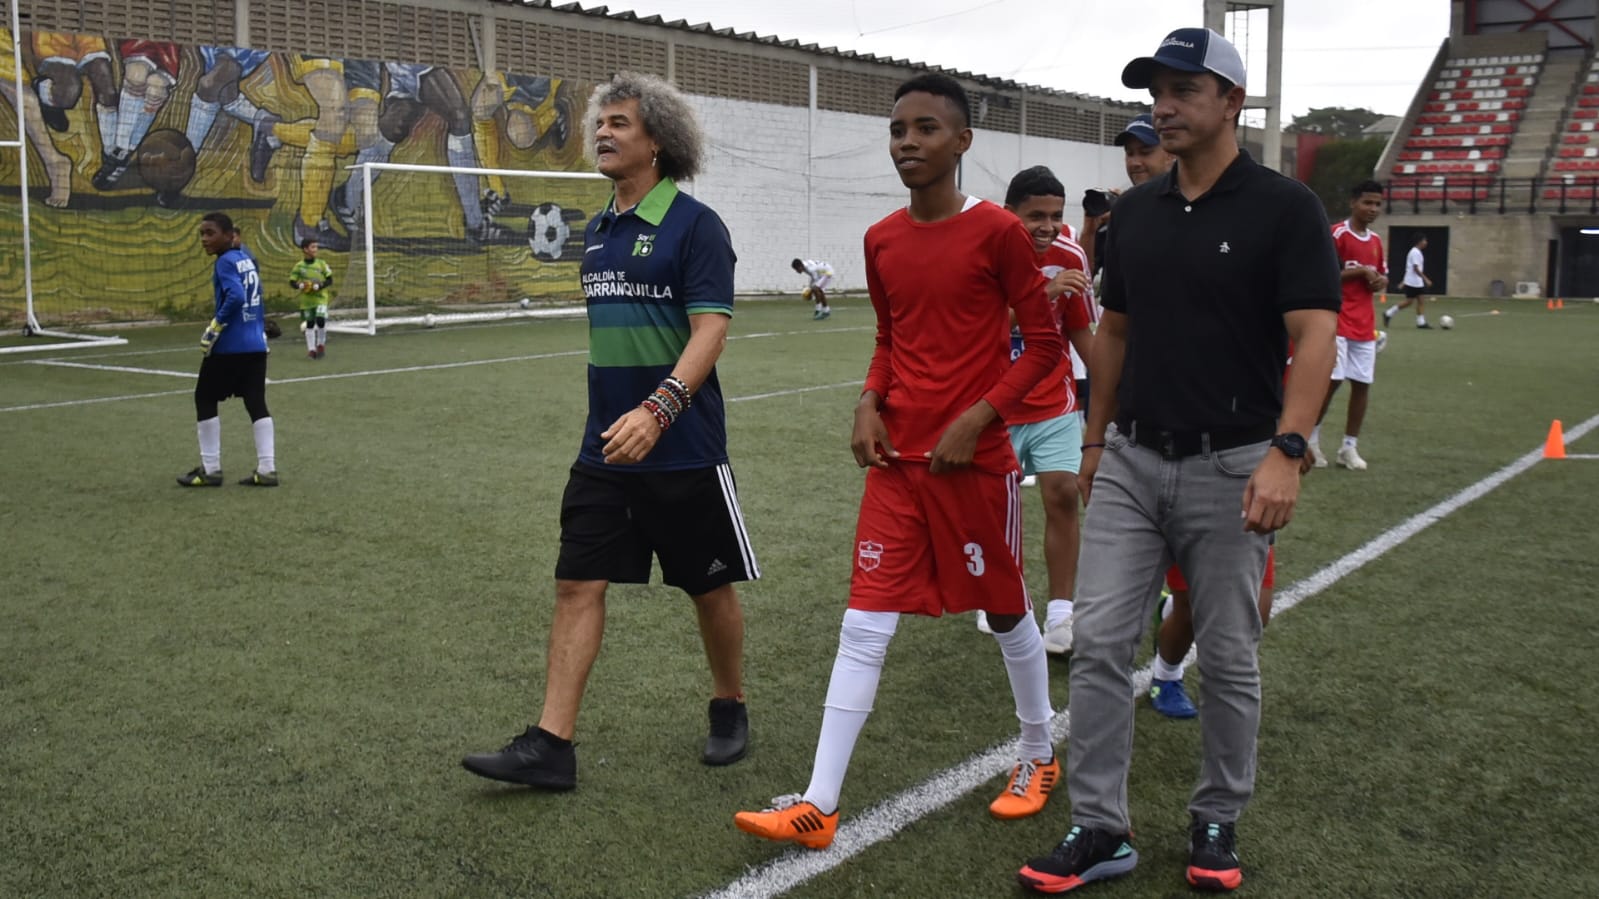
x=869, y=555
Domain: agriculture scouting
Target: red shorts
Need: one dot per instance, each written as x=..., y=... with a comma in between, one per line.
x=929, y=544
x=1175, y=582
x=162, y=56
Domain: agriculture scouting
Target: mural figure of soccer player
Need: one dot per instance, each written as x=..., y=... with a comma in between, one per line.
x=60, y=63
x=324, y=140
x=416, y=89
x=363, y=86
x=222, y=70
x=149, y=71
x=57, y=166
x=537, y=113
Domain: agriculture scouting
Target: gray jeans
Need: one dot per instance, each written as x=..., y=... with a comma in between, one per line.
x=1147, y=511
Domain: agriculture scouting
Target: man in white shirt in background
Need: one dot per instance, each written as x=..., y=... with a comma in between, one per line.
x=1416, y=281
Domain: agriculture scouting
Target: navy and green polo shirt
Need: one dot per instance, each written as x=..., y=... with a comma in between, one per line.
x=645, y=271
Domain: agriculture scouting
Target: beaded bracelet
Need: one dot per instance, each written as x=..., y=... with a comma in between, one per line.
x=667, y=401
x=1089, y=446
x=662, y=417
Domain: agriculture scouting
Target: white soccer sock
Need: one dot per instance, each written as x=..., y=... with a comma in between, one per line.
x=201, y=116
x=106, y=116
x=862, y=646
x=310, y=339
x=1166, y=605
x=211, y=444
x=1161, y=670
x=355, y=188
x=461, y=151
x=266, y=450
x=128, y=106
x=1058, y=610
x=321, y=334
x=242, y=109
x=1028, y=669
x=1350, y=441
x=1421, y=320
x=1315, y=436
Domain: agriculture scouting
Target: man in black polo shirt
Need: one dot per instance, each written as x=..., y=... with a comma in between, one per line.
x=1210, y=271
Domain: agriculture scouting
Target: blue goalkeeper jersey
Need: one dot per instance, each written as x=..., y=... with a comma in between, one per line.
x=646, y=270
x=237, y=283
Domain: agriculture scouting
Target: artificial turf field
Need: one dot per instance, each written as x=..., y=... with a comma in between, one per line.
x=267, y=692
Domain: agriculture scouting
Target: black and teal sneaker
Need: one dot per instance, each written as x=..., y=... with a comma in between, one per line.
x=1084, y=856
x=1213, y=856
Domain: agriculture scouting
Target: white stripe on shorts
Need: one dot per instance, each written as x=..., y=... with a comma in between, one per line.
x=724, y=474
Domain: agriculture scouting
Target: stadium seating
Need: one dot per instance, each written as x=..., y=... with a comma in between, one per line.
x=1472, y=110
x=1578, y=151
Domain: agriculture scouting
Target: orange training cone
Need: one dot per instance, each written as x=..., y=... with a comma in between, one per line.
x=1560, y=303
x=1555, y=446
x=1549, y=304
x=1385, y=298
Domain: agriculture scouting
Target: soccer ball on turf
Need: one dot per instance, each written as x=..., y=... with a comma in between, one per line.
x=429, y=321
x=547, y=231
x=526, y=302
x=1446, y=322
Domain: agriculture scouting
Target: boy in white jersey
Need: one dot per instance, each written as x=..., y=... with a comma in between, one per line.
x=821, y=275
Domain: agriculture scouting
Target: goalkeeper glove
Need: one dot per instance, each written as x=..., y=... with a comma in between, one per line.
x=208, y=337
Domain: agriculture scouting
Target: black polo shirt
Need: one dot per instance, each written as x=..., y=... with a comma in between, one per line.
x=1204, y=285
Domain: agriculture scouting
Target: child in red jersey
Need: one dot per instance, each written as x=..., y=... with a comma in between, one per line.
x=940, y=525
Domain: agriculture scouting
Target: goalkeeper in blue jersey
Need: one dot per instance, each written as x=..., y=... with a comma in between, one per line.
x=235, y=349
x=313, y=278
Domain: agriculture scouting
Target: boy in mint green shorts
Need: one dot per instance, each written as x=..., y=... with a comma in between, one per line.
x=313, y=278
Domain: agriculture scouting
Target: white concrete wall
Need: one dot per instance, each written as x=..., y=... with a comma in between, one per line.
x=786, y=191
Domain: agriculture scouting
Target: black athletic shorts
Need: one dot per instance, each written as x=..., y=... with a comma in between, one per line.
x=613, y=520
x=231, y=374
x=1413, y=292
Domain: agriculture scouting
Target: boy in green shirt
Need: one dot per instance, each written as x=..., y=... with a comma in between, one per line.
x=313, y=278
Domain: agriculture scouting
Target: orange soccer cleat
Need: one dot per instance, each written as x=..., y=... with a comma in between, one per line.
x=1029, y=788
x=791, y=820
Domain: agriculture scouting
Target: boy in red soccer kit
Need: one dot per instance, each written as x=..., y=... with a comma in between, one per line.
x=940, y=524
x=1365, y=271
x=1047, y=434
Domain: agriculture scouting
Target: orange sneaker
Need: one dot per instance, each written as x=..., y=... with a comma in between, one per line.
x=1029, y=788
x=792, y=820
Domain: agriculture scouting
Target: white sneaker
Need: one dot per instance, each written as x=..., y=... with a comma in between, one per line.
x=1348, y=458
x=1030, y=481
x=982, y=622
x=1058, y=639
x=1318, y=458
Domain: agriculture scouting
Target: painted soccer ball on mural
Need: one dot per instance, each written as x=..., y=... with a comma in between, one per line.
x=547, y=231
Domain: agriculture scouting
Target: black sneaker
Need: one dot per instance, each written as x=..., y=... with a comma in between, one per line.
x=199, y=477
x=730, y=732
x=260, y=479
x=113, y=166
x=1084, y=856
x=1424, y=327
x=533, y=759
x=1213, y=856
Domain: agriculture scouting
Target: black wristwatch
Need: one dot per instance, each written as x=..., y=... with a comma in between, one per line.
x=1293, y=445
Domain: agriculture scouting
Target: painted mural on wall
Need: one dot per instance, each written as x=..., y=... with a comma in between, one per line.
x=130, y=142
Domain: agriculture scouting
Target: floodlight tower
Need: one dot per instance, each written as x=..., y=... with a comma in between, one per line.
x=1217, y=18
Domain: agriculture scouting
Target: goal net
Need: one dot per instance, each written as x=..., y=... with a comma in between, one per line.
x=454, y=244
x=45, y=326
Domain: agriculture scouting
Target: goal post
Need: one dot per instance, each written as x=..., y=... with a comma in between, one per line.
x=426, y=259
x=31, y=327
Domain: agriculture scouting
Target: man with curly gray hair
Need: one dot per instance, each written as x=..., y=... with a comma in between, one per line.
x=652, y=476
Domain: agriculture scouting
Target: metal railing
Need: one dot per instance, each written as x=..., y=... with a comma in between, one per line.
x=1559, y=194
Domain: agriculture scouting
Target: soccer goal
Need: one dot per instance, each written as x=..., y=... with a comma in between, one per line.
x=450, y=244
x=21, y=304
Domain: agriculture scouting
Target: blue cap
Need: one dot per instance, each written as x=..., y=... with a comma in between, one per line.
x=1142, y=129
x=1188, y=50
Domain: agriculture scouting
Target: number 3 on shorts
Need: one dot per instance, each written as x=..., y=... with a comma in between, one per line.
x=974, y=559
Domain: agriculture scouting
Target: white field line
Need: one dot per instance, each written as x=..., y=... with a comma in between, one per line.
x=1582, y=455
x=793, y=391
x=61, y=363
x=887, y=818
x=393, y=371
